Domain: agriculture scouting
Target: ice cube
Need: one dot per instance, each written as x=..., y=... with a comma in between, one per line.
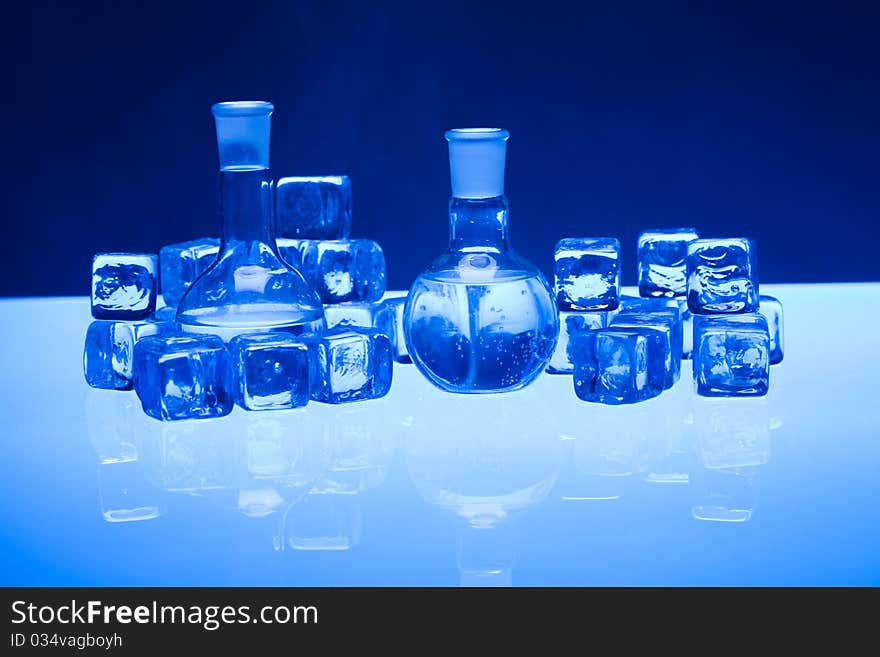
x=350, y=364
x=731, y=355
x=109, y=350
x=361, y=314
x=272, y=371
x=646, y=304
x=183, y=377
x=291, y=251
x=611, y=366
x=180, y=264
x=771, y=308
x=395, y=306
x=722, y=276
x=687, y=331
x=569, y=324
x=166, y=314
x=664, y=354
x=587, y=273
x=344, y=270
x=662, y=256
x=315, y=207
x=660, y=304
x=123, y=285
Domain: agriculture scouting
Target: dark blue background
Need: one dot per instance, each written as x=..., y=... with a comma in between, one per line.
x=758, y=120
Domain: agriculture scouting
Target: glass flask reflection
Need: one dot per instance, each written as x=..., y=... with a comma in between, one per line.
x=480, y=318
x=477, y=460
x=249, y=286
x=486, y=555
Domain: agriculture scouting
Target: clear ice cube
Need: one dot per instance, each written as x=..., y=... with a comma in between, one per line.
x=344, y=270
x=587, y=273
x=183, y=377
x=687, y=330
x=272, y=371
x=361, y=314
x=771, y=308
x=166, y=314
x=611, y=366
x=180, y=264
x=316, y=207
x=664, y=354
x=731, y=355
x=291, y=251
x=662, y=256
x=123, y=285
x=395, y=306
x=109, y=351
x=645, y=304
x=350, y=365
x=571, y=323
x=722, y=276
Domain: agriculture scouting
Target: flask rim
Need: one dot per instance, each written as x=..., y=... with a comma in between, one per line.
x=477, y=134
x=242, y=108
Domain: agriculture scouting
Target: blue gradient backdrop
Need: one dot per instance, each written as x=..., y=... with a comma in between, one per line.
x=757, y=119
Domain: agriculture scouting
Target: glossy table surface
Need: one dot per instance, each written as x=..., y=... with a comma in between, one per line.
x=426, y=488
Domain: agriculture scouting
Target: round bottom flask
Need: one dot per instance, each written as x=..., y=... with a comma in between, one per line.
x=249, y=287
x=480, y=319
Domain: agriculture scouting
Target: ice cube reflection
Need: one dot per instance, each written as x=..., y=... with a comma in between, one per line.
x=298, y=481
x=255, y=464
x=732, y=440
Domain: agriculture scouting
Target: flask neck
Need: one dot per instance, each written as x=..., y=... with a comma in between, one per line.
x=478, y=222
x=246, y=207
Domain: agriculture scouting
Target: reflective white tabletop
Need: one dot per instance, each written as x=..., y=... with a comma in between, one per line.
x=425, y=488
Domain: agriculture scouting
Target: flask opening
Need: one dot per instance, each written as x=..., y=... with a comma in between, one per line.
x=476, y=161
x=243, y=130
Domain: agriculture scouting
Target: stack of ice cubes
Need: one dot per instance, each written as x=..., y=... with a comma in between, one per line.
x=737, y=332
x=617, y=355
x=695, y=296
x=123, y=302
x=180, y=376
x=587, y=287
